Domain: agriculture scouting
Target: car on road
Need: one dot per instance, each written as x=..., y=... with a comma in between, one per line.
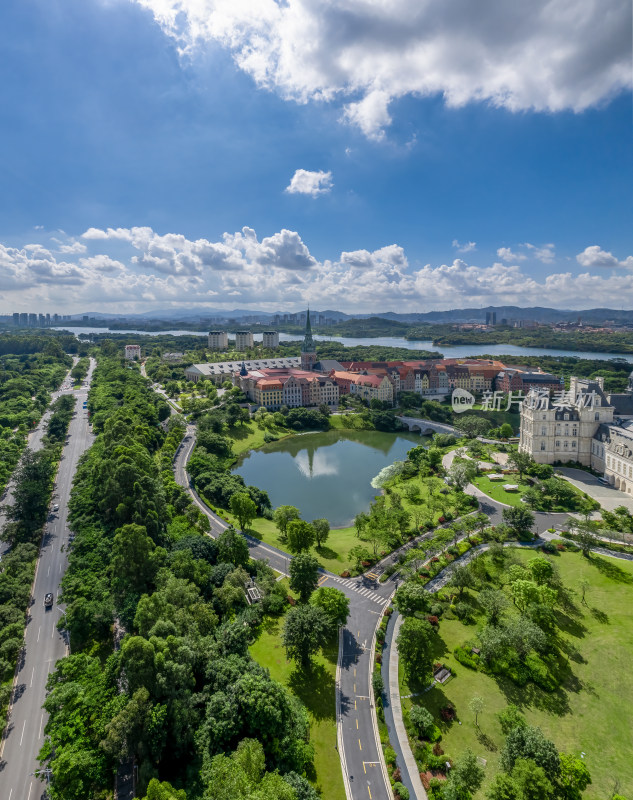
x=604, y=481
x=56, y=507
x=48, y=600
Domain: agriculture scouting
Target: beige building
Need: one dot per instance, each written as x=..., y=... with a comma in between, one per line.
x=220, y=371
x=244, y=340
x=561, y=428
x=132, y=352
x=271, y=339
x=583, y=425
x=218, y=340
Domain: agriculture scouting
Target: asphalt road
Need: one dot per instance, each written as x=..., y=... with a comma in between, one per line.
x=43, y=644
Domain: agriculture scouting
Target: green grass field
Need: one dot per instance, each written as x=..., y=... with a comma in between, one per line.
x=248, y=436
x=590, y=713
x=495, y=489
x=316, y=690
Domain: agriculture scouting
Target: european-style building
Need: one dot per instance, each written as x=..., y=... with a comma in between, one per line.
x=583, y=425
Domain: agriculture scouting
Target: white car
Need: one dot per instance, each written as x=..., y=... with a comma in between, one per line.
x=56, y=507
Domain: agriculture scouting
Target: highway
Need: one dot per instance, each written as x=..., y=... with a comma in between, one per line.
x=359, y=748
x=43, y=644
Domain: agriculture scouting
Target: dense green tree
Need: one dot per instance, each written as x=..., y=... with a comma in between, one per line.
x=300, y=535
x=520, y=520
x=282, y=516
x=304, y=575
x=334, y=603
x=494, y=603
x=243, y=508
x=233, y=548
x=462, y=578
x=525, y=742
x=510, y=718
x=503, y=788
x=422, y=720
x=306, y=630
x=321, y=531
x=415, y=643
x=521, y=462
x=412, y=598
x=531, y=780
x=163, y=791
x=574, y=777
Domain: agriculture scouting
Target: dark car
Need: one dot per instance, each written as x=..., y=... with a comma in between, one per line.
x=48, y=600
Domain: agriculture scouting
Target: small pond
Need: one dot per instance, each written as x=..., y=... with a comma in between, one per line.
x=325, y=474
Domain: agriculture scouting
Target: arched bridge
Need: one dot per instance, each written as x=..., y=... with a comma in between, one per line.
x=427, y=426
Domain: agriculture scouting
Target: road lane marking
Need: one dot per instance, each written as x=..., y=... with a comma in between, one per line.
x=22, y=737
x=39, y=735
x=354, y=688
x=49, y=571
x=369, y=790
x=354, y=671
x=32, y=673
x=356, y=724
x=38, y=633
x=30, y=790
x=360, y=746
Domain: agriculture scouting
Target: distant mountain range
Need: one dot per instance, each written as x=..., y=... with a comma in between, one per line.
x=536, y=313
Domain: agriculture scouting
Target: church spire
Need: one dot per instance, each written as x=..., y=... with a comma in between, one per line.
x=308, y=349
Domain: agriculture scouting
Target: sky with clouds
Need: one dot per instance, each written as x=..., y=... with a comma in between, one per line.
x=357, y=155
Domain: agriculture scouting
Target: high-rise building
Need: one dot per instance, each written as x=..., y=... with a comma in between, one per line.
x=308, y=348
x=32, y=320
x=48, y=319
x=16, y=319
x=218, y=340
x=491, y=317
x=132, y=351
x=271, y=339
x=244, y=340
x=24, y=320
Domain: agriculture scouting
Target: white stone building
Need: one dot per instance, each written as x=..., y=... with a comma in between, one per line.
x=582, y=425
x=218, y=340
x=244, y=340
x=271, y=339
x=132, y=352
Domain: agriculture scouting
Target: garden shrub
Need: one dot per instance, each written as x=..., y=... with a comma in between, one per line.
x=465, y=657
x=390, y=755
x=400, y=791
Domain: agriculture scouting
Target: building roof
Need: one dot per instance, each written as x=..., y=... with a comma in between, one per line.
x=229, y=367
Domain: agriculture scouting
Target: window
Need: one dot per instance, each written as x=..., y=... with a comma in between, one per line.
x=566, y=416
x=543, y=431
x=542, y=445
x=544, y=416
x=557, y=444
x=574, y=432
x=573, y=444
x=566, y=445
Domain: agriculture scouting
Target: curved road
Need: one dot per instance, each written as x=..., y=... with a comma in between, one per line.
x=43, y=643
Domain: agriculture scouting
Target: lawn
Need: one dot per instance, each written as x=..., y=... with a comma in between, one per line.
x=495, y=489
x=316, y=690
x=589, y=714
x=249, y=436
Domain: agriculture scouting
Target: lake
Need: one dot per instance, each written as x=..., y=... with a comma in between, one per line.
x=325, y=474
x=454, y=351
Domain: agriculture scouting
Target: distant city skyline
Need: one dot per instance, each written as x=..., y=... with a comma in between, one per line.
x=157, y=153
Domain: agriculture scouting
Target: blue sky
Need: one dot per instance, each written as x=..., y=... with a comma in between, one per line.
x=465, y=161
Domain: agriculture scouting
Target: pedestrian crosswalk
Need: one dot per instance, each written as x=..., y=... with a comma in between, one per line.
x=356, y=587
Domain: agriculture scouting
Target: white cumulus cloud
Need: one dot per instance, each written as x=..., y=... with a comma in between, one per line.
x=545, y=55
x=506, y=254
x=594, y=256
x=467, y=247
x=313, y=183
